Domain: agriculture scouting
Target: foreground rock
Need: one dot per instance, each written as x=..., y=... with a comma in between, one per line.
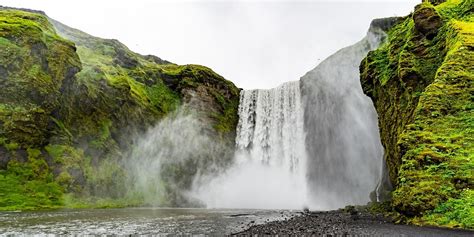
x=343, y=223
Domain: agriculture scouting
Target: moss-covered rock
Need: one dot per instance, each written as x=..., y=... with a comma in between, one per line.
x=71, y=103
x=422, y=84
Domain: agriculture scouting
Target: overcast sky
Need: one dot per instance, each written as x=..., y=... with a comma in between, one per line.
x=255, y=44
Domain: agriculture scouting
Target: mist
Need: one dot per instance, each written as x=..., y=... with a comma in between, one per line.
x=166, y=159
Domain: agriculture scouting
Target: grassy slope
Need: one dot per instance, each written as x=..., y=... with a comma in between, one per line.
x=421, y=82
x=67, y=113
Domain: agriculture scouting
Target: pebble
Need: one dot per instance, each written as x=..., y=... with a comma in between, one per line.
x=339, y=223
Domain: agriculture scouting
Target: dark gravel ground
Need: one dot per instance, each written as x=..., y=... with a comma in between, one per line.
x=341, y=223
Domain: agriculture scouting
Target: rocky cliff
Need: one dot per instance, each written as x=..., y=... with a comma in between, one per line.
x=71, y=103
x=422, y=84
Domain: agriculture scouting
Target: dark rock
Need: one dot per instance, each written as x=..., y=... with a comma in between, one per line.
x=3, y=72
x=78, y=176
x=156, y=59
x=21, y=155
x=427, y=21
x=39, y=50
x=436, y=2
x=125, y=60
x=23, y=9
x=4, y=157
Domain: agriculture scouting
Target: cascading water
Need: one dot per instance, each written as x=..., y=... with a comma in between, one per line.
x=342, y=139
x=320, y=148
x=310, y=143
x=270, y=126
x=270, y=161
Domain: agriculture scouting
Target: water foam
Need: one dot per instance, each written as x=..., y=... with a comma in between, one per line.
x=269, y=170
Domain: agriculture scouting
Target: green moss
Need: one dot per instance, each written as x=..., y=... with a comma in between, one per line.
x=28, y=195
x=62, y=134
x=223, y=92
x=65, y=179
x=69, y=159
x=29, y=185
x=162, y=98
x=34, y=61
x=72, y=201
x=455, y=212
x=422, y=88
x=65, y=155
x=106, y=180
x=104, y=134
x=11, y=146
x=71, y=104
x=227, y=121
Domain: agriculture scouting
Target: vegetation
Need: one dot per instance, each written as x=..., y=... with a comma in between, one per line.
x=422, y=84
x=71, y=105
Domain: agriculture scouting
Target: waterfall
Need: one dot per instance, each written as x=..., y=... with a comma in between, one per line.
x=270, y=126
x=342, y=136
x=269, y=169
x=312, y=143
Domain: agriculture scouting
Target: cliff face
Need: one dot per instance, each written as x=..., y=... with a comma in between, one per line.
x=421, y=83
x=71, y=104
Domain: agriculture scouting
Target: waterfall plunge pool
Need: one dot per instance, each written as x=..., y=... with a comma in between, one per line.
x=142, y=221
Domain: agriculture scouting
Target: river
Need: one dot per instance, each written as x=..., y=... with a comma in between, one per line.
x=126, y=221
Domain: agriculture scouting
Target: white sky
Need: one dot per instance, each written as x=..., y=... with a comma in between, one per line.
x=255, y=44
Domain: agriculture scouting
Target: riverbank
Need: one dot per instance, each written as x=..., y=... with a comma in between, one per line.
x=345, y=222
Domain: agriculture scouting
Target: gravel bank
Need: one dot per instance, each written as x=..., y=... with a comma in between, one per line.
x=340, y=223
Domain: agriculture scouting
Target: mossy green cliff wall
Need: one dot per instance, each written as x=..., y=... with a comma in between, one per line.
x=421, y=83
x=70, y=104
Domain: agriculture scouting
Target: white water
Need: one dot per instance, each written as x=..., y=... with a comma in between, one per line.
x=319, y=148
x=342, y=131
x=270, y=163
x=310, y=143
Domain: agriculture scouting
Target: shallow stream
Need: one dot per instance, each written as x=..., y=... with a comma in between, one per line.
x=156, y=221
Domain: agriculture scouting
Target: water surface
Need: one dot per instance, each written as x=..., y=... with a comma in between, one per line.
x=134, y=221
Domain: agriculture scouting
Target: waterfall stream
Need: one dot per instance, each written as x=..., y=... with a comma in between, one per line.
x=269, y=169
x=342, y=135
x=270, y=126
x=310, y=143
x=346, y=164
